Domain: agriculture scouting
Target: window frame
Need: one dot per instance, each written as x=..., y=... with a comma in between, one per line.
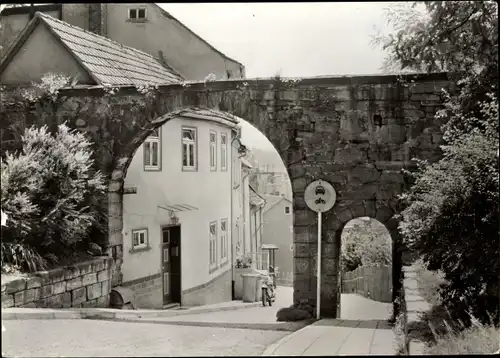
x=212, y=150
x=212, y=243
x=137, y=18
x=224, y=240
x=149, y=140
x=289, y=210
x=194, y=167
x=140, y=246
x=223, y=152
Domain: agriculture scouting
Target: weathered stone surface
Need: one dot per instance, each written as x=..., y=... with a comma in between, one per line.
x=89, y=279
x=74, y=283
x=26, y=296
x=78, y=296
x=34, y=282
x=94, y=291
x=46, y=291
x=102, y=302
x=334, y=117
x=90, y=304
x=7, y=301
x=15, y=286
x=59, y=287
x=106, y=287
x=103, y=275
x=71, y=272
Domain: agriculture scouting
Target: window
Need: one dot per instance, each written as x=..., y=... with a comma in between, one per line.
x=189, y=148
x=223, y=240
x=213, y=245
x=139, y=239
x=287, y=210
x=223, y=152
x=152, y=151
x=213, y=151
x=135, y=14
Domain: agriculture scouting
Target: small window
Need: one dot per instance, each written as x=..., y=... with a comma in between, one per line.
x=287, y=210
x=223, y=240
x=189, y=160
x=135, y=14
x=223, y=152
x=213, y=151
x=152, y=151
x=139, y=239
x=213, y=245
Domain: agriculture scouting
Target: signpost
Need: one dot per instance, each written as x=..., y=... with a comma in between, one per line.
x=320, y=197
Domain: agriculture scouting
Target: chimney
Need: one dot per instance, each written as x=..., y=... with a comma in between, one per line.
x=97, y=18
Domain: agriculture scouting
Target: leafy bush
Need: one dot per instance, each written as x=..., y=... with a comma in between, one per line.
x=244, y=261
x=49, y=193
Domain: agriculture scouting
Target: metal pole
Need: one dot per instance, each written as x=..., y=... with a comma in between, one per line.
x=318, y=280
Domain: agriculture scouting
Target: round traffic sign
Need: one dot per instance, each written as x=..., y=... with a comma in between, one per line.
x=320, y=196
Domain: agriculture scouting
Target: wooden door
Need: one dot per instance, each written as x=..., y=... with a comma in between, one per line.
x=171, y=264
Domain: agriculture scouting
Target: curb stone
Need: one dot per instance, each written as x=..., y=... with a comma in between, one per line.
x=107, y=313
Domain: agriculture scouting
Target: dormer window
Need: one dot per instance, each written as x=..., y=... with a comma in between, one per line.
x=137, y=14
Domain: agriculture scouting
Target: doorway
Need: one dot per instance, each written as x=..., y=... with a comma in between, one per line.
x=171, y=264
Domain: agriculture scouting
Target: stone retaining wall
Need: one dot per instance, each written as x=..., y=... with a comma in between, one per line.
x=415, y=305
x=86, y=284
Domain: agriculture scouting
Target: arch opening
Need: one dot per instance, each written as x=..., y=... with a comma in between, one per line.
x=365, y=274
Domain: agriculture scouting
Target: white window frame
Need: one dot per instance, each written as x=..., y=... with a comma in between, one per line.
x=155, y=137
x=289, y=210
x=192, y=146
x=212, y=246
x=139, y=245
x=213, y=150
x=136, y=9
x=223, y=152
x=224, y=242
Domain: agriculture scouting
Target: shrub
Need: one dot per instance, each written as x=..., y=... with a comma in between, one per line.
x=49, y=193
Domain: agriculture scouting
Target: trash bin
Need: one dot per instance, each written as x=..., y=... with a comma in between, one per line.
x=249, y=287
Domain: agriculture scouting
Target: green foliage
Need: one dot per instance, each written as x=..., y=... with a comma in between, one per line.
x=365, y=245
x=49, y=193
x=451, y=218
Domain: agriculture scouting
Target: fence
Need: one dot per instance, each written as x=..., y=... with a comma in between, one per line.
x=371, y=282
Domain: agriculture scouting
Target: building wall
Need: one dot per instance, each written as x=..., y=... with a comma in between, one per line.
x=11, y=26
x=247, y=248
x=76, y=14
x=50, y=56
x=278, y=231
x=171, y=185
x=189, y=55
x=237, y=206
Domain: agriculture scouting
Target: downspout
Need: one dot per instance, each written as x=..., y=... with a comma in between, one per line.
x=233, y=272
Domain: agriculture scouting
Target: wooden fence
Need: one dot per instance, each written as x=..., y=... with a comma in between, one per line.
x=371, y=282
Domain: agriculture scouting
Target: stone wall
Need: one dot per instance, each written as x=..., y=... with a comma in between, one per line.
x=86, y=284
x=414, y=305
x=147, y=291
x=371, y=282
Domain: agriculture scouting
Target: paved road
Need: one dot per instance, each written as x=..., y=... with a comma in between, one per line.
x=86, y=338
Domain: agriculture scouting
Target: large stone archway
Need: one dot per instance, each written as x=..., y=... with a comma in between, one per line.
x=355, y=132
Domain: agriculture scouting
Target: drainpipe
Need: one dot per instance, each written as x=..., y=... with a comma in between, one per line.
x=236, y=137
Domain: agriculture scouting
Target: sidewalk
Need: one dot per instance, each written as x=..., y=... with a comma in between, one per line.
x=331, y=337
x=17, y=313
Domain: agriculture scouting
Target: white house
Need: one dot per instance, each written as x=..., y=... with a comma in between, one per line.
x=178, y=223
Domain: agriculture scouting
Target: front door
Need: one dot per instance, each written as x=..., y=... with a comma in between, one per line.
x=171, y=264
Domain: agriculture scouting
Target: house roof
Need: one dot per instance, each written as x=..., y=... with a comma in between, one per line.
x=255, y=198
x=168, y=15
x=272, y=201
x=207, y=114
x=106, y=61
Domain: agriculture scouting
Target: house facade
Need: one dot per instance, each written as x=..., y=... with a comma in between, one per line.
x=143, y=26
x=178, y=221
x=178, y=205
x=278, y=230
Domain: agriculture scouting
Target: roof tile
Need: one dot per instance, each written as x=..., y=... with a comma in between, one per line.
x=108, y=61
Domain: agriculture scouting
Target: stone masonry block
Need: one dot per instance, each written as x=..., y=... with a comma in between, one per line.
x=46, y=291
x=89, y=304
x=103, y=275
x=34, y=282
x=78, y=296
x=94, y=291
x=74, y=283
x=7, y=301
x=59, y=287
x=85, y=268
x=27, y=296
x=15, y=286
x=89, y=279
x=102, y=302
x=106, y=287
x=99, y=265
x=56, y=275
x=71, y=272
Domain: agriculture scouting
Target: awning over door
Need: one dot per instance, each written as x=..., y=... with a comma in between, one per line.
x=178, y=207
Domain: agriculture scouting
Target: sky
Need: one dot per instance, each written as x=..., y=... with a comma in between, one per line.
x=292, y=39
